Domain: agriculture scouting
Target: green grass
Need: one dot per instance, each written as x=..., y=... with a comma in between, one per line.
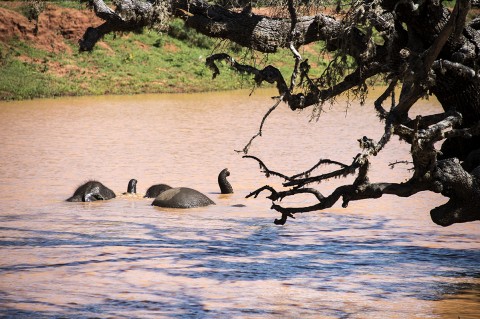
x=75, y=4
x=146, y=62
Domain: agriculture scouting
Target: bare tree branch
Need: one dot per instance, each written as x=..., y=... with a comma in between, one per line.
x=259, y=133
x=265, y=169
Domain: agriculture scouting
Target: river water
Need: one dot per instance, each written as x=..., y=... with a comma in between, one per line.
x=124, y=258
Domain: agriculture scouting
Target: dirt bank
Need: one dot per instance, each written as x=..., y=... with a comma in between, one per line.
x=56, y=25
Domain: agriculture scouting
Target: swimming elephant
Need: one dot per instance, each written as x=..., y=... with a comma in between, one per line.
x=182, y=197
x=155, y=190
x=91, y=191
x=225, y=186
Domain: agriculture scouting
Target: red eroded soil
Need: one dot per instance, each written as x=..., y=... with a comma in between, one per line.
x=55, y=25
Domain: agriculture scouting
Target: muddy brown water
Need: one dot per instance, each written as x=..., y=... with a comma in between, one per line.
x=124, y=258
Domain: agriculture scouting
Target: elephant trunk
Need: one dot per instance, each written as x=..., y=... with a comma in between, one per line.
x=225, y=186
x=132, y=186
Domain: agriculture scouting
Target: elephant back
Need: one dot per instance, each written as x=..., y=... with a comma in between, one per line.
x=182, y=197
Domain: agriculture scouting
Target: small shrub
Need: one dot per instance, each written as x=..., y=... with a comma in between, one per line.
x=32, y=10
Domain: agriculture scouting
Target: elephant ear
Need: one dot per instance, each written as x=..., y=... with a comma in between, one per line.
x=88, y=197
x=93, y=195
x=99, y=197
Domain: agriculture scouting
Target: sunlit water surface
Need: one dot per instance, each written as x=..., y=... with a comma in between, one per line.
x=124, y=258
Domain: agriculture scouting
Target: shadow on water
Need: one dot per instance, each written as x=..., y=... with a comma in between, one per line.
x=385, y=265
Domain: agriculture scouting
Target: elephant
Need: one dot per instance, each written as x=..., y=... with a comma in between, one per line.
x=91, y=191
x=94, y=190
x=225, y=186
x=155, y=190
x=182, y=197
x=185, y=197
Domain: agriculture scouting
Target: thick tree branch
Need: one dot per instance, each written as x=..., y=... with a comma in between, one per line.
x=347, y=193
x=131, y=15
x=451, y=30
x=297, y=101
x=258, y=32
x=442, y=66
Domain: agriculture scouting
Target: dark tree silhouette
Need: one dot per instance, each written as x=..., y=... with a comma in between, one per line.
x=420, y=45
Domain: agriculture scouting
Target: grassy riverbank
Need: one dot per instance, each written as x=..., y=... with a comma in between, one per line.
x=49, y=64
